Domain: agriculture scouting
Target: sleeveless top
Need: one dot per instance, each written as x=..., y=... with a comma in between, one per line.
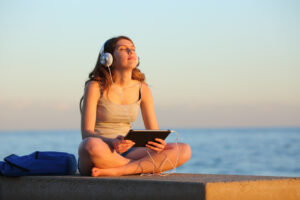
x=113, y=119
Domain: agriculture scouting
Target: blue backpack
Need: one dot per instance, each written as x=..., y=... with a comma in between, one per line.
x=39, y=163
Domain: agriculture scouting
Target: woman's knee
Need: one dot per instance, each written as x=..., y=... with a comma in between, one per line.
x=92, y=146
x=183, y=149
x=186, y=152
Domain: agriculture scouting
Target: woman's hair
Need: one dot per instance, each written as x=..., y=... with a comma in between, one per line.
x=101, y=74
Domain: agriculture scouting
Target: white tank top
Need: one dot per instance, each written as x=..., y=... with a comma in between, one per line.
x=113, y=118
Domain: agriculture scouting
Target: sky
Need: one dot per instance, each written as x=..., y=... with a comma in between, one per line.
x=209, y=64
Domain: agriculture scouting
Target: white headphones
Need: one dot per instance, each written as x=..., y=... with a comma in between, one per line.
x=106, y=59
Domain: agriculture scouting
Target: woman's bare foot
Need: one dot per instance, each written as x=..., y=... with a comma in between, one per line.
x=104, y=172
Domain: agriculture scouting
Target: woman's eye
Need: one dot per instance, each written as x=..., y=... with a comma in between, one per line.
x=126, y=49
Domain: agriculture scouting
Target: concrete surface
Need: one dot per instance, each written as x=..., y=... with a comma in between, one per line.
x=175, y=186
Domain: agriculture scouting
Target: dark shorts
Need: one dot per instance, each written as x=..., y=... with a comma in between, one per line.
x=127, y=152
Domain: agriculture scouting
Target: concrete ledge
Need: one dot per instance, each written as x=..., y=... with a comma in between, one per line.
x=175, y=186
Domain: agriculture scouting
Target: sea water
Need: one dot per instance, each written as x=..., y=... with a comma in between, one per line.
x=252, y=151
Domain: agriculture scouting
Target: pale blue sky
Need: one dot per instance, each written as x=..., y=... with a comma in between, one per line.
x=209, y=63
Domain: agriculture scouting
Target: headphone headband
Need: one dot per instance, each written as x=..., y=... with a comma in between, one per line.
x=102, y=48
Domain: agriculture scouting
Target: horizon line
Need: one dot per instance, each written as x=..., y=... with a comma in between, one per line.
x=163, y=128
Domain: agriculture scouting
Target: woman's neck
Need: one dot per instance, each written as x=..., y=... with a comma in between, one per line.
x=123, y=78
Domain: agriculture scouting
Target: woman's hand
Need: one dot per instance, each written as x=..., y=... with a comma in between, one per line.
x=121, y=145
x=157, y=146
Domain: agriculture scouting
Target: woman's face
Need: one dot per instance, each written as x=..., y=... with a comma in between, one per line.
x=125, y=55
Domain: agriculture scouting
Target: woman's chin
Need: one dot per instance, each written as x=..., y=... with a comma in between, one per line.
x=129, y=67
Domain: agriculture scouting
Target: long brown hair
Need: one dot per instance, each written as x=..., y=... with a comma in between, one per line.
x=101, y=74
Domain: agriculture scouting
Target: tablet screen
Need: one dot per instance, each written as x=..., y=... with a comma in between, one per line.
x=141, y=137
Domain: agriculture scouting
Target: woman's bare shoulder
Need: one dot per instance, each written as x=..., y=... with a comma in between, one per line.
x=146, y=91
x=92, y=84
x=145, y=87
x=92, y=87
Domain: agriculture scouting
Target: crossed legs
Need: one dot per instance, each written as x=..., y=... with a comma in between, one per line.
x=97, y=158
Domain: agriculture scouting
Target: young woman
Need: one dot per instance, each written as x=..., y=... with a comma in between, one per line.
x=110, y=104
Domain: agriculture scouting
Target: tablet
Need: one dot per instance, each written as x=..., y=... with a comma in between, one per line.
x=141, y=137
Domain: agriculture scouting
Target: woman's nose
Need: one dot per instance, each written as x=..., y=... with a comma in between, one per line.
x=129, y=51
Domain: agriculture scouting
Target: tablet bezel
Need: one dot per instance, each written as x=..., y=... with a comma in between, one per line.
x=141, y=137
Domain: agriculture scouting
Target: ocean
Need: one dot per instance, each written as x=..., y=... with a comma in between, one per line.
x=248, y=151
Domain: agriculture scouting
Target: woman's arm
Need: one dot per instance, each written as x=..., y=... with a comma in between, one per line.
x=147, y=108
x=149, y=117
x=89, y=109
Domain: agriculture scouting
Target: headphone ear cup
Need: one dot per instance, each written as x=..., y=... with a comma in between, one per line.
x=106, y=59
